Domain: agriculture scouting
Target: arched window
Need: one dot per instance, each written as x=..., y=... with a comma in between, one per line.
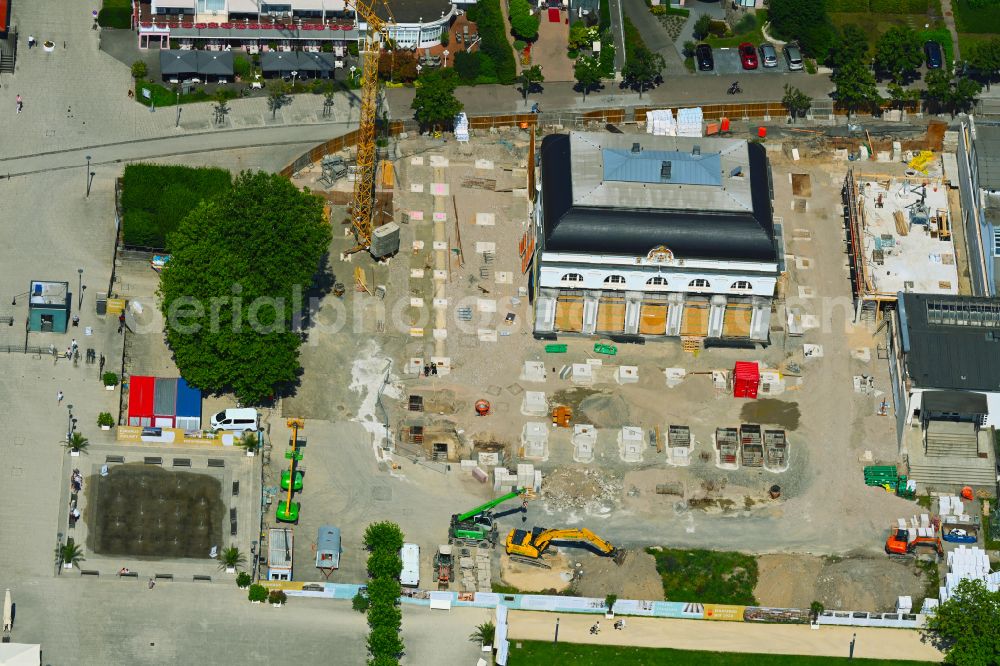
x=571, y=278
x=699, y=283
x=657, y=283
x=614, y=279
x=743, y=285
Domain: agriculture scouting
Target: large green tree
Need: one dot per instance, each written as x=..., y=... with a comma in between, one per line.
x=965, y=626
x=797, y=102
x=947, y=94
x=984, y=59
x=588, y=73
x=523, y=24
x=235, y=286
x=899, y=52
x=855, y=86
x=435, y=103
x=805, y=21
x=851, y=44
x=529, y=78
x=642, y=69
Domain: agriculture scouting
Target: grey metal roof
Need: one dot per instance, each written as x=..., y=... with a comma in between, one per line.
x=264, y=34
x=413, y=11
x=951, y=342
x=647, y=166
x=215, y=63
x=988, y=154
x=178, y=62
x=959, y=402
x=584, y=213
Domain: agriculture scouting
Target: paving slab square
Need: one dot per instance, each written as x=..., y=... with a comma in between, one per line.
x=440, y=245
x=416, y=188
x=503, y=277
x=439, y=189
x=487, y=335
x=485, y=246
x=416, y=215
x=484, y=164
x=417, y=161
x=416, y=273
x=439, y=161
x=440, y=217
x=485, y=219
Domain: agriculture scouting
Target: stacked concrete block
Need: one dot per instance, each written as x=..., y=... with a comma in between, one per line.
x=627, y=374
x=584, y=442
x=525, y=475
x=503, y=480
x=535, y=441
x=534, y=403
x=582, y=374
x=674, y=376
x=533, y=371
x=630, y=444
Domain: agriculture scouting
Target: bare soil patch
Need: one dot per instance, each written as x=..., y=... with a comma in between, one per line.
x=801, y=185
x=771, y=411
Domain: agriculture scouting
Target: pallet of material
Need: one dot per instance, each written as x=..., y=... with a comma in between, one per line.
x=751, y=445
x=902, y=228
x=727, y=441
x=678, y=437
x=775, y=448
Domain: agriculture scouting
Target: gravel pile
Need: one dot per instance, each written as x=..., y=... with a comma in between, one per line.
x=580, y=488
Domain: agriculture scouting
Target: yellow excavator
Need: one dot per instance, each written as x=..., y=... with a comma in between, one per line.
x=528, y=547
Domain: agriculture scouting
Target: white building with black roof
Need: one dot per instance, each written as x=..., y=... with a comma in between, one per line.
x=651, y=237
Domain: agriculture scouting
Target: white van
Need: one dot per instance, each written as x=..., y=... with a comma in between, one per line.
x=236, y=419
x=410, y=575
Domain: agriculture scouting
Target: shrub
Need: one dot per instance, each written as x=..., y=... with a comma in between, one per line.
x=467, y=65
x=242, y=67
x=360, y=603
x=105, y=419
x=746, y=24
x=702, y=26
x=277, y=597
x=115, y=17
x=445, y=36
x=609, y=601
x=519, y=45
x=243, y=580
x=847, y=6
x=604, y=12
x=110, y=379
x=257, y=593
x=139, y=69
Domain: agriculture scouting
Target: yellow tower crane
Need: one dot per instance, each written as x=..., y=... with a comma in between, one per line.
x=362, y=207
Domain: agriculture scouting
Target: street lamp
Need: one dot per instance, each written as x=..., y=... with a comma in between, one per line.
x=853, y=638
x=79, y=287
x=88, y=175
x=556, y=639
x=69, y=423
x=177, y=123
x=446, y=54
x=294, y=74
x=354, y=69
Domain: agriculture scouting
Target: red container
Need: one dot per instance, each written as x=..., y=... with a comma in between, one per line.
x=762, y=132
x=725, y=125
x=746, y=379
x=140, y=400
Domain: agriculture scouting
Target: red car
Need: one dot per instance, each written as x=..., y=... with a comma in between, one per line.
x=748, y=55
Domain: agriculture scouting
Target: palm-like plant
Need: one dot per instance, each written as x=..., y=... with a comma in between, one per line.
x=77, y=442
x=484, y=633
x=70, y=553
x=232, y=558
x=248, y=441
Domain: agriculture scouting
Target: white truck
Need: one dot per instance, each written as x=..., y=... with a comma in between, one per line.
x=410, y=575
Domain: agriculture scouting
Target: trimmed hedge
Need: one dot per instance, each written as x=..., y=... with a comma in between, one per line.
x=493, y=32
x=604, y=13
x=156, y=198
x=877, y=6
x=115, y=17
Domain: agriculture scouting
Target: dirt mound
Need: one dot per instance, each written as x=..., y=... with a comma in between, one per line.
x=577, y=487
x=605, y=411
x=771, y=412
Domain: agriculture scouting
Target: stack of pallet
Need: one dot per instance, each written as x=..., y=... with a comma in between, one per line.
x=727, y=441
x=476, y=575
x=880, y=475
x=751, y=445
x=775, y=449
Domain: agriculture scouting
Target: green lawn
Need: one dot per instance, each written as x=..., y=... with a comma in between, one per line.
x=706, y=575
x=161, y=96
x=982, y=20
x=532, y=653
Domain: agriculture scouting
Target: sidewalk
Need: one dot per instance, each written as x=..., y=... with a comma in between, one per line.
x=725, y=636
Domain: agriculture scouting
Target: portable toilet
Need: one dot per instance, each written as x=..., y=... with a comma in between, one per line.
x=328, y=548
x=746, y=379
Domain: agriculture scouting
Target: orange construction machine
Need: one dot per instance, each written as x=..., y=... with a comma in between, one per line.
x=902, y=542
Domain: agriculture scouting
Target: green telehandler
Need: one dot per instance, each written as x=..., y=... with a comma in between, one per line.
x=475, y=526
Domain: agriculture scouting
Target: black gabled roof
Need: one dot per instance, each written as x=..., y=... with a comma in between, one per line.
x=691, y=234
x=949, y=356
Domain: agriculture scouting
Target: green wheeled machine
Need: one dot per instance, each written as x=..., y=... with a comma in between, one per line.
x=288, y=511
x=476, y=527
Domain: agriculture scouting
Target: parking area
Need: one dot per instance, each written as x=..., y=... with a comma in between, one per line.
x=727, y=62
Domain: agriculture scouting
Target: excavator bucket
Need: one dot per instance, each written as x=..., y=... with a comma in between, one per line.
x=619, y=556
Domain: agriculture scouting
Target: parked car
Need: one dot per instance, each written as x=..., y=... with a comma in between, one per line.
x=748, y=56
x=768, y=55
x=793, y=56
x=703, y=56
x=934, y=54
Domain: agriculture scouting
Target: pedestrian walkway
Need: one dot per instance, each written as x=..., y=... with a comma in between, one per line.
x=949, y=21
x=870, y=643
x=654, y=35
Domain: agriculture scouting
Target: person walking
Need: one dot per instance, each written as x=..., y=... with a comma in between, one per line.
x=20, y=104
x=31, y=41
x=121, y=322
x=59, y=397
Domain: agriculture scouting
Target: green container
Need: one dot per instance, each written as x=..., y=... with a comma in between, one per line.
x=600, y=348
x=555, y=349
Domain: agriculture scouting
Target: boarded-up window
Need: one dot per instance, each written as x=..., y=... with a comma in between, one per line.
x=611, y=315
x=569, y=313
x=736, y=322
x=695, y=322
x=653, y=319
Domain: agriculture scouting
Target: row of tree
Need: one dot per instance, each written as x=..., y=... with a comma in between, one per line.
x=492, y=29
x=523, y=23
x=385, y=645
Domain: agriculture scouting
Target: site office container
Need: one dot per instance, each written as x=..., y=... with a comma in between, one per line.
x=164, y=402
x=746, y=379
x=140, y=400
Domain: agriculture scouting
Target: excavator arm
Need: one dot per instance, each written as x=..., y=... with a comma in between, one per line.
x=531, y=545
x=482, y=508
x=543, y=540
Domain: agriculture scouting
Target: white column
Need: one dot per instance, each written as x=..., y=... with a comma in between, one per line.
x=633, y=305
x=760, y=321
x=590, y=300
x=675, y=313
x=716, y=316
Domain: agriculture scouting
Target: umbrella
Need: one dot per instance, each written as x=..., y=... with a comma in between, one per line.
x=272, y=62
x=178, y=63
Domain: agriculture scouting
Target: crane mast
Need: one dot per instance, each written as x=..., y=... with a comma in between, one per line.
x=362, y=207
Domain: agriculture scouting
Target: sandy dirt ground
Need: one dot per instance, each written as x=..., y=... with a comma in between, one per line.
x=853, y=583
x=589, y=574
x=725, y=636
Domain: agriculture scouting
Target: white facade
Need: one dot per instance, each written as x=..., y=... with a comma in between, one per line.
x=914, y=400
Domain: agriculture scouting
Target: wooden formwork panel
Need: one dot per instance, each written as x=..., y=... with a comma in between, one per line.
x=736, y=321
x=611, y=315
x=695, y=320
x=653, y=318
x=569, y=313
